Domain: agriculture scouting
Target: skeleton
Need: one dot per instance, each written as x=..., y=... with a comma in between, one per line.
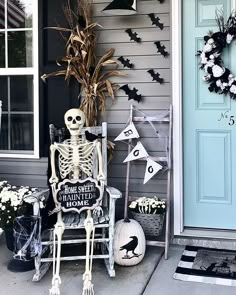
x=76, y=157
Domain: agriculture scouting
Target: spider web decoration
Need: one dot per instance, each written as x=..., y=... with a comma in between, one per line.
x=27, y=231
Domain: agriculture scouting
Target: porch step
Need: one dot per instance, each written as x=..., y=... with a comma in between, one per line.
x=218, y=243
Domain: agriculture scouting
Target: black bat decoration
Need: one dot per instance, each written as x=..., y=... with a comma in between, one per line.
x=125, y=62
x=161, y=1
x=155, y=76
x=132, y=94
x=91, y=137
x=133, y=36
x=156, y=20
x=161, y=48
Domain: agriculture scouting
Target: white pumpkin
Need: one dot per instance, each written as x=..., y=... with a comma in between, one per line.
x=129, y=242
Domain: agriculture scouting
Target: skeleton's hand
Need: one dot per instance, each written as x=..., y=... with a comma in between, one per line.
x=53, y=179
x=101, y=177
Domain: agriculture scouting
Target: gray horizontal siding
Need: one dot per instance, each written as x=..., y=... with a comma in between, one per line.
x=24, y=172
x=155, y=99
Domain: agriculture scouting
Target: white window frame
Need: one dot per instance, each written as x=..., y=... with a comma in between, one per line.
x=33, y=71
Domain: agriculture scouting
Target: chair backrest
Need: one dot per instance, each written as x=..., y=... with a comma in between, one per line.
x=60, y=134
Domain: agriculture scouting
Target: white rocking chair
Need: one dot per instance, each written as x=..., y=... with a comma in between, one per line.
x=74, y=223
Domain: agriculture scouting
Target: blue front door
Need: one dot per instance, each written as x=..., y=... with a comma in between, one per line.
x=209, y=131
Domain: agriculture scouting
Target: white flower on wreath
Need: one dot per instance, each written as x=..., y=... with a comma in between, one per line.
x=208, y=47
x=203, y=58
x=229, y=38
x=217, y=71
x=233, y=89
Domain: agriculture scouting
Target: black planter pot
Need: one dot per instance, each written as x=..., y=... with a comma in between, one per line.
x=9, y=238
x=16, y=265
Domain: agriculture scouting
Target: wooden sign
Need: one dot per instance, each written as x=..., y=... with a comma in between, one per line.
x=79, y=195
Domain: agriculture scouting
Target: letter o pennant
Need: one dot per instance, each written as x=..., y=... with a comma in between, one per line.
x=152, y=168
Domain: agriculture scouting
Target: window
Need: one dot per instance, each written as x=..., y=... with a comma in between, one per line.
x=19, y=135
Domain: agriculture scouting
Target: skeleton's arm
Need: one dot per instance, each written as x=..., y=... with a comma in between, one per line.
x=53, y=178
x=100, y=163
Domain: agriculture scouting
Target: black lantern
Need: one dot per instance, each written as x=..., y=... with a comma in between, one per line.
x=121, y=7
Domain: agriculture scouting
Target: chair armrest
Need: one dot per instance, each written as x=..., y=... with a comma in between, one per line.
x=37, y=196
x=113, y=192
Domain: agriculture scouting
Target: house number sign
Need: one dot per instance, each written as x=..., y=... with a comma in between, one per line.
x=78, y=195
x=228, y=117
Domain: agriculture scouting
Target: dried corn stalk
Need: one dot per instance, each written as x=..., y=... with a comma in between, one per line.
x=81, y=63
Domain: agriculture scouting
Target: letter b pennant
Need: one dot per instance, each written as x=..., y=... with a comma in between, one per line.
x=129, y=132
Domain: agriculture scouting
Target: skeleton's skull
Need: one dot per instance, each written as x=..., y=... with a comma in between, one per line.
x=74, y=120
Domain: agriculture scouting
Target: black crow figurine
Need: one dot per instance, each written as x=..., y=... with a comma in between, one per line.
x=91, y=137
x=131, y=246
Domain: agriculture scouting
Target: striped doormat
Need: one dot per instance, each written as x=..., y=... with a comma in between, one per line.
x=206, y=265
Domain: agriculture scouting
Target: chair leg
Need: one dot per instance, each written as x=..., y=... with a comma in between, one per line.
x=110, y=262
x=56, y=280
x=40, y=268
x=37, y=264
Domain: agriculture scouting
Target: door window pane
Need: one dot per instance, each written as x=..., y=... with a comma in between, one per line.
x=19, y=14
x=22, y=132
x=20, y=49
x=21, y=93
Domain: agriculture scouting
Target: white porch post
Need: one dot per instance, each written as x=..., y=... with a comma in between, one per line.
x=176, y=21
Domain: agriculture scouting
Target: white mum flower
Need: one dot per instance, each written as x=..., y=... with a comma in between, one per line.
x=132, y=205
x=3, y=207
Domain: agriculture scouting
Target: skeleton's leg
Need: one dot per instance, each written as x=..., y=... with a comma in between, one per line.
x=58, y=232
x=87, y=277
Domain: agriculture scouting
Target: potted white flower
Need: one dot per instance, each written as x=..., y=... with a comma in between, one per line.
x=12, y=205
x=150, y=213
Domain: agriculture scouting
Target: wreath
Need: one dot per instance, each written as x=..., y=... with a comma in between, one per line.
x=219, y=77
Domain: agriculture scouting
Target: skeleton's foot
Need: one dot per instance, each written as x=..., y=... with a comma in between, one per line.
x=88, y=286
x=55, y=290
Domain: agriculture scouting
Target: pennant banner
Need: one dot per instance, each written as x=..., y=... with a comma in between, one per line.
x=129, y=132
x=151, y=169
x=138, y=152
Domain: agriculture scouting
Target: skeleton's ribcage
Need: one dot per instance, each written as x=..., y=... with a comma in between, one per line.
x=72, y=158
